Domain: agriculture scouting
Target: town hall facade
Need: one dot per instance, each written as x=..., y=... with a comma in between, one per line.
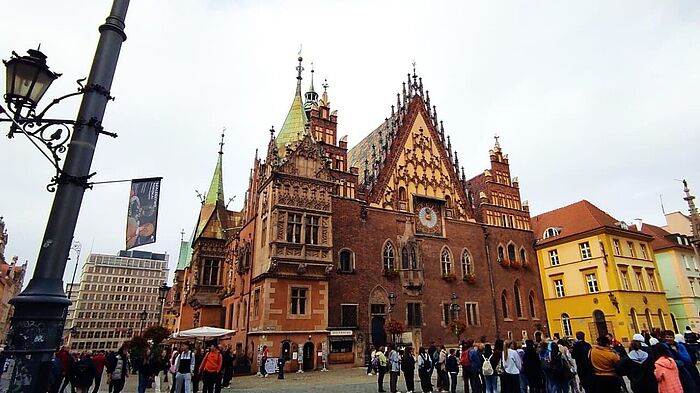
x=338, y=249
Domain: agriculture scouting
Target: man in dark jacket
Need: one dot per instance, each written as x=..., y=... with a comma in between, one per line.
x=83, y=373
x=99, y=361
x=452, y=368
x=583, y=363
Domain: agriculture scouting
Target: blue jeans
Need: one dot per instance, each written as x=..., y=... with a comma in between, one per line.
x=143, y=382
x=491, y=383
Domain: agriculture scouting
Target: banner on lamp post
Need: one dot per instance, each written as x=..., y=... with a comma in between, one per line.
x=142, y=214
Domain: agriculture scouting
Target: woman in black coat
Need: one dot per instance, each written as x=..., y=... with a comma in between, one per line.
x=533, y=368
x=638, y=366
x=408, y=366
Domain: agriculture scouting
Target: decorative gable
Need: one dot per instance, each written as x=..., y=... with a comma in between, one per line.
x=420, y=168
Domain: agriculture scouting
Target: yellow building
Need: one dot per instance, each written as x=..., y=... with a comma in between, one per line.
x=598, y=274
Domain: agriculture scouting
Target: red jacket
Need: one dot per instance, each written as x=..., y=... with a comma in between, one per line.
x=99, y=360
x=66, y=361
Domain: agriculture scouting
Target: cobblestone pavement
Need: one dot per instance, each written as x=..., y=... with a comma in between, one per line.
x=353, y=380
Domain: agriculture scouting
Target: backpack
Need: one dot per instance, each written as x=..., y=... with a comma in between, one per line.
x=436, y=357
x=464, y=359
x=487, y=368
x=427, y=363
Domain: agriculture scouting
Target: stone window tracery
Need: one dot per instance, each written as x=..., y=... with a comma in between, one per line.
x=389, y=257
x=446, y=261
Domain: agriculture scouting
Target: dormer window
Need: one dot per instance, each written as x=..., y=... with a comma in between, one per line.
x=549, y=232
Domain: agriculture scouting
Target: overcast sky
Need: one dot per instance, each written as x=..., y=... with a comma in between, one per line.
x=597, y=99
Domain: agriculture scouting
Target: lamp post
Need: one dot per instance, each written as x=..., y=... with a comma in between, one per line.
x=142, y=316
x=392, y=302
x=77, y=247
x=454, y=307
x=36, y=328
x=162, y=294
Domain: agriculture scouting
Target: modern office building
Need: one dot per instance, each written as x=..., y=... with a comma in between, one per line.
x=73, y=293
x=118, y=298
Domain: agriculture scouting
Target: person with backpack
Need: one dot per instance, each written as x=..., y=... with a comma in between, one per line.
x=466, y=364
x=381, y=358
x=452, y=368
x=491, y=360
x=117, y=370
x=99, y=361
x=557, y=369
x=408, y=366
x=210, y=369
x=370, y=364
x=425, y=370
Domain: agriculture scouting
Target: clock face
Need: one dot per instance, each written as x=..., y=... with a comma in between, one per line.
x=429, y=221
x=428, y=217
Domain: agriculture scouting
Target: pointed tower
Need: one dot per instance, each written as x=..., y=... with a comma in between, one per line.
x=203, y=277
x=311, y=97
x=495, y=196
x=294, y=127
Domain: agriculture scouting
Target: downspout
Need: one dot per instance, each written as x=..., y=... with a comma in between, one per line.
x=491, y=281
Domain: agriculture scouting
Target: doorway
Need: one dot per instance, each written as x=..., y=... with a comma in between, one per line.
x=309, y=356
x=601, y=325
x=378, y=332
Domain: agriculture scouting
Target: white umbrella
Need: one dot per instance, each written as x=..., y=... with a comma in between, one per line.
x=204, y=333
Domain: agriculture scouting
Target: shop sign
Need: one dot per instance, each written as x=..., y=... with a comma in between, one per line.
x=341, y=332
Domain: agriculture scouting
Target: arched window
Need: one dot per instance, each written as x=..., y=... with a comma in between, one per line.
x=566, y=325
x=511, y=252
x=405, y=263
x=347, y=263
x=414, y=258
x=389, y=256
x=549, y=232
x=523, y=256
x=402, y=194
x=501, y=253
x=531, y=303
x=662, y=323
x=518, y=303
x=467, y=266
x=504, y=304
x=446, y=261
x=647, y=314
x=448, y=202
x=633, y=319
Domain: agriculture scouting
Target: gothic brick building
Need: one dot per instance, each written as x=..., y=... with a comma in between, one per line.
x=335, y=243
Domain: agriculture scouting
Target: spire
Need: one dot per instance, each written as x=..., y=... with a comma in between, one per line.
x=294, y=126
x=324, y=95
x=216, y=188
x=311, y=96
x=694, y=215
x=497, y=146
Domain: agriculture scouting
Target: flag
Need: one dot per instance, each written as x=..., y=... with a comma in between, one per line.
x=142, y=214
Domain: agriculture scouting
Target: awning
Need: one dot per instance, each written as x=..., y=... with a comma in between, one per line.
x=204, y=333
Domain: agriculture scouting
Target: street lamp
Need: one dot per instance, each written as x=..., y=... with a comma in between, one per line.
x=77, y=247
x=36, y=327
x=162, y=294
x=454, y=307
x=142, y=316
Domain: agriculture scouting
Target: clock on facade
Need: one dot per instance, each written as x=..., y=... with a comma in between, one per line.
x=429, y=220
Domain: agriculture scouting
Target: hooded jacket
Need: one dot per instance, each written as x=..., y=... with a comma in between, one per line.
x=638, y=366
x=666, y=373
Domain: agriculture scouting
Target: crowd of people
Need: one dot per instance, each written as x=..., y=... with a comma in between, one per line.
x=165, y=371
x=656, y=362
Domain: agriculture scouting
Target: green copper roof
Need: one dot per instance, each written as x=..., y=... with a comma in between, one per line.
x=216, y=188
x=214, y=196
x=294, y=125
x=185, y=255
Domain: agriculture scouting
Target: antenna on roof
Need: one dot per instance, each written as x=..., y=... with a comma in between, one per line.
x=661, y=198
